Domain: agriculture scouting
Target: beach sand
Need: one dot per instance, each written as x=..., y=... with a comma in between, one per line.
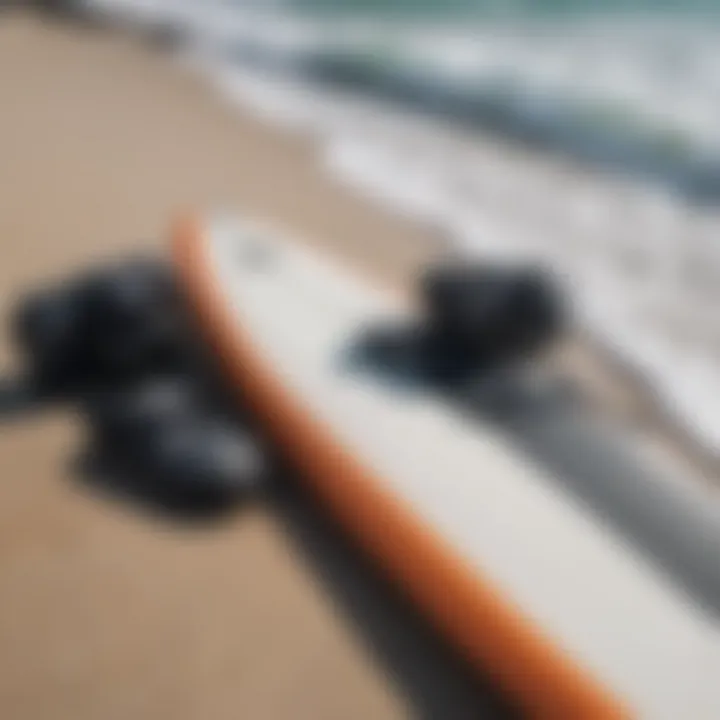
x=105, y=613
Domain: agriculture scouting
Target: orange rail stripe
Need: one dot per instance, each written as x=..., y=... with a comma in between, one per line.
x=473, y=614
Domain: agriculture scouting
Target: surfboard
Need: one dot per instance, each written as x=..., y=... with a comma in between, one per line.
x=534, y=589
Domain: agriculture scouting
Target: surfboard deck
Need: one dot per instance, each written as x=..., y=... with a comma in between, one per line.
x=529, y=586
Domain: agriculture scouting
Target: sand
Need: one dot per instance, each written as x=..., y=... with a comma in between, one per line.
x=105, y=612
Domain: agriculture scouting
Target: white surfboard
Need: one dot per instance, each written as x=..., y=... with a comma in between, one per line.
x=535, y=589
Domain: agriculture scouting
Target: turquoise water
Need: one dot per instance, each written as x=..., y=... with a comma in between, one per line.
x=503, y=8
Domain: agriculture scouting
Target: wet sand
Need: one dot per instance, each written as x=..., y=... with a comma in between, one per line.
x=104, y=611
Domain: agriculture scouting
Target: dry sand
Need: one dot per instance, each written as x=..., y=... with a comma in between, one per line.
x=105, y=613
